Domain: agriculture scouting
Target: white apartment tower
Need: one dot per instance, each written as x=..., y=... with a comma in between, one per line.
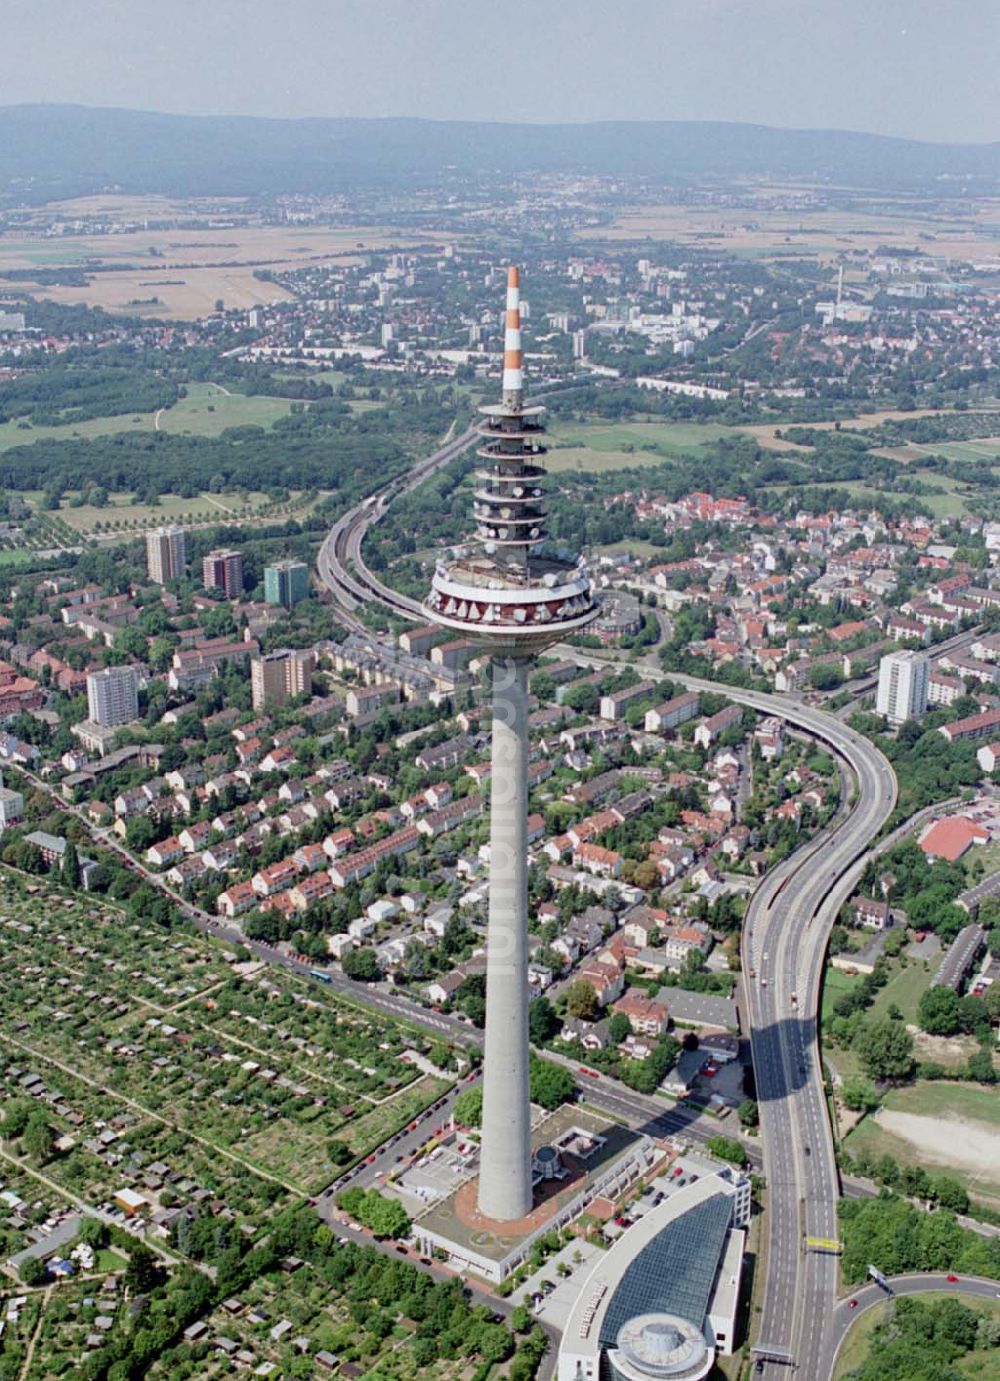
x=903, y=685
x=113, y=695
x=166, y=554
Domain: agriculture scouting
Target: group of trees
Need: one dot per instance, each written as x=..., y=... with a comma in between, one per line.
x=896, y=1237
x=912, y=1181
x=71, y=391
x=920, y=1341
x=386, y=1217
x=551, y=1085
x=941, y=1012
x=23, y=1120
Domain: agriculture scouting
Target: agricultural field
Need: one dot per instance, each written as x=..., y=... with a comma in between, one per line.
x=825, y=233
x=179, y=274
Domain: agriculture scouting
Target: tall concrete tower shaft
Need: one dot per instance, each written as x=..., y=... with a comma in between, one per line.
x=515, y=596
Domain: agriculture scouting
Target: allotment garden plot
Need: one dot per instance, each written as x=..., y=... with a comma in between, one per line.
x=157, y=1030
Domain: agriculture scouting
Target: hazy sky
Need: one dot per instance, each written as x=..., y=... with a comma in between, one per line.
x=923, y=68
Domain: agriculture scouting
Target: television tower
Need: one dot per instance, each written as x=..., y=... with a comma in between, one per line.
x=516, y=597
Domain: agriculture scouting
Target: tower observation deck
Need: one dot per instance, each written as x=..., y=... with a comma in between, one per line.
x=513, y=593
x=515, y=596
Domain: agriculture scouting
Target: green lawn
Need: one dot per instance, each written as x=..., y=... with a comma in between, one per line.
x=905, y=988
x=635, y=545
x=835, y=984
x=944, y=1099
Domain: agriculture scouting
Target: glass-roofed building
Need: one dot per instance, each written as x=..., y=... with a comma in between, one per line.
x=663, y=1299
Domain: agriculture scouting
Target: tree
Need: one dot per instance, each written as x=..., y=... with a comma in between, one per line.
x=581, y=1000
x=71, y=866
x=143, y=1272
x=468, y=1107
x=972, y=1013
x=726, y=1149
x=885, y=1049
x=980, y=1067
x=338, y=1151
x=32, y=1271
x=938, y=1011
x=15, y=1117
x=551, y=1085
x=748, y=1114
x=619, y=1027
x=859, y=1095
x=543, y=1023
x=93, y=1233
x=361, y=965
x=646, y=875
x=39, y=1139
x=950, y=1194
x=520, y=1319
x=386, y=1217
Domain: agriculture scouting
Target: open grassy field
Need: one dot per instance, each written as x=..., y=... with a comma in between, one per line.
x=207, y=410
x=905, y=988
x=601, y=446
x=949, y=504
x=943, y=1126
x=172, y=508
x=983, y=1364
x=624, y=445
x=188, y=270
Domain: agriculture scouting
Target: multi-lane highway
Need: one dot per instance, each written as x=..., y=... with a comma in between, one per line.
x=784, y=943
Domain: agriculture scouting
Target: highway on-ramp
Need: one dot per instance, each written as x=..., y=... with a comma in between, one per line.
x=868, y=1296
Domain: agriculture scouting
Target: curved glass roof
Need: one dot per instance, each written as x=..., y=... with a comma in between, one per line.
x=675, y=1272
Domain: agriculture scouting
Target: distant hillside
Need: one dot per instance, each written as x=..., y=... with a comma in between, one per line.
x=60, y=150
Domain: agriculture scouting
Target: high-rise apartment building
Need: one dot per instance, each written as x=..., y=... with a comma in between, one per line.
x=286, y=582
x=278, y=675
x=166, y=554
x=11, y=807
x=113, y=695
x=223, y=570
x=903, y=685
